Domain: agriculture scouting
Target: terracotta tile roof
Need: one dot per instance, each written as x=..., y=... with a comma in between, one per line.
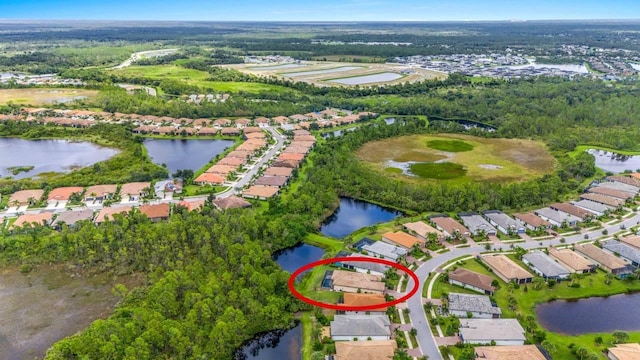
x=625, y=351
x=365, y=350
x=222, y=122
x=291, y=156
x=571, y=259
x=134, y=188
x=201, y=122
x=239, y=154
x=272, y=180
x=401, y=238
x=231, y=202
x=631, y=240
x=156, y=211
x=251, y=130
x=209, y=178
x=255, y=135
x=30, y=219
x=629, y=180
x=192, y=205
x=600, y=256
x=242, y=121
x=449, y=225
x=611, y=192
x=221, y=169
x=422, y=229
x=572, y=210
x=519, y=352
x=355, y=299
x=532, y=219
x=22, y=197
x=278, y=171
x=109, y=212
x=281, y=119
x=261, y=191
x=603, y=199
x=304, y=138
x=101, y=190
x=262, y=120
x=286, y=163
x=64, y=193
x=208, y=131
x=230, y=131
x=232, y=161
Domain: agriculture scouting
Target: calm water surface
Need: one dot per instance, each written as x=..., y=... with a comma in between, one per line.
x=613, y=162
x=49, y=155
x=591, y=315
x=352, y=215
x=295, y=257
x=180, y=154
x=275, y=345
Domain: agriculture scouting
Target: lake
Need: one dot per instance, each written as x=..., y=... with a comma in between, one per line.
x=614, y=162
x=180, y=154
x=322, y=71
x=293, y=258
x=274, y=345
x=352, y=215
x=584, y=316
x=49, y=155
x=368, y=79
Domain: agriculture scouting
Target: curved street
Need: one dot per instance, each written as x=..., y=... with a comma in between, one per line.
x=426, y=340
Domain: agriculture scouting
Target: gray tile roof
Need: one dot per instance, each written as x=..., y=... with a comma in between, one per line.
x=71, y=217
x=381, y=268
x=503, y=220
x=619, y=186
x=473, y=303
x=557, y=216
x=360, y=325
x=387, y=250
x=547, y=265
x=475, y=223
x=482, y=330
x=625, y=251
x=592, y=206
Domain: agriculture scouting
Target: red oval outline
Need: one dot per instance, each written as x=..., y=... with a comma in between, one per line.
x=320, y=304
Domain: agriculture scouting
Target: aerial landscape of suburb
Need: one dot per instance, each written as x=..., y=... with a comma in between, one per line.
x=320, y=180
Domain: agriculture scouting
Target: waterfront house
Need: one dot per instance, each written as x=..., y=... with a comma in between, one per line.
x=603, y=199
x=605, y=260
x=477, y=224
x=360, y=327
x=545, y=266
x=363, y=267
x=504, y=332
x=478, y=306
x=401, y=239
x=572, y=261
x=611, y=192
x=355, y=282
x=472, y=280
x=209, y=179
x=615, y=185
x=230, y=132
x=626, y=252
x=532, y=221
x=503, y=222
x=422, y=230
x=384, y=251
x=260, y=192
x=519, y=352
x=354, y=299
x=506, y=269
x=366, y=350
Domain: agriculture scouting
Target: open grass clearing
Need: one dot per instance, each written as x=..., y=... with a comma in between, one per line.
x=42, y=96
x=449, y=145
x=496, y=160
x=438, y=171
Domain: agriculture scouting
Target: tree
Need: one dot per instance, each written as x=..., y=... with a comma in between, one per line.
x=549, y=346
x=607, y=278
x=582, y=353
x=401, y=354
x=620, y=336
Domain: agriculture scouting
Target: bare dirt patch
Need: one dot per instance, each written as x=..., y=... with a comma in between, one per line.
x=47, y=305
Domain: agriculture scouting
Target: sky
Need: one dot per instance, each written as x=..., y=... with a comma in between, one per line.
x=320, y=10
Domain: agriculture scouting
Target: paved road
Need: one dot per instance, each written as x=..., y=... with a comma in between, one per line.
x=417, y=314
x=138, y=55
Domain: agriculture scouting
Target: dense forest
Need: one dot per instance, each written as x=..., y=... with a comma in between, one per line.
x=212, y=284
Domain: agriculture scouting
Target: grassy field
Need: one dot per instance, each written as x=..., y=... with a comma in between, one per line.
x=527, y=298
x=497, y=160
x=196, y=77
x=40, y=96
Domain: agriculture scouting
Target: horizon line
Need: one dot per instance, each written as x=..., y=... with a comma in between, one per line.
x=321, y=21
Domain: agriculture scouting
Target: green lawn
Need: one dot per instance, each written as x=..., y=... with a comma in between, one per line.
x=439, y=171
x=332, y=246
x=450, y=145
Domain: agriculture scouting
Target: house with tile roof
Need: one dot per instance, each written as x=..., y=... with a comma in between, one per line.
x=472, y=280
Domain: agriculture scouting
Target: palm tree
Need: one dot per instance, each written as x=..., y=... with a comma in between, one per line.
x=607, y=278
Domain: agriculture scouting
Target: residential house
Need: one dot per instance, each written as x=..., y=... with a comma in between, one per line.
x=532, y=221
x=596, y=208
x=30, y=220
x=231, y=202
x=223, y=170
x=280, y=120
x=572, y=210
x=615, y=185
x=99, y=193
x=360, y=327
x=605, y=260
x=207, y=131
x=192, y=205
x=422, y=230
x=278, y=171
x=230, y=132
x=631, y=240
x=355, y=282
x=286, y=163
x=478, y=306
x=135, y=191
x=611, y=192
x=252, y=130
x=363, y=267
x=298, y=117
x=262, y=122
x=366, y=350
x=385, y=251
x=260, y=192
x=503, y=222
x=276, y=181
x=164, y=130
x=472, y=280
x=545, y=266
x=629, y=180
x=222, y=122
x=291, y=156
x=449, y=226
x=355, y=299
x=239, y=154
x=156, y=212
x=254, y=135
x=624, y=352
x=572, y=261
x=504, y=332
x=477, y=224
x=402, y=239
x=71, y=217
x=506, y=269
x=167, y=187
x=25, y=197
x=603, y=199
x=107, y=213
x=63, y=194
x=520, y=352
x=287, y=127
x=557, y=218
x=209, y=179
x=242, y=122
x=626, y=252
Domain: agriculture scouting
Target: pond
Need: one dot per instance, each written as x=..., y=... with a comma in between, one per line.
x=293, y=258
x=180, y=154
x=584, y=316
x=368, y=79
x=322, y=71
x=352, y=215
x=48, y=156
x=614, y=162
x=274, y=345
